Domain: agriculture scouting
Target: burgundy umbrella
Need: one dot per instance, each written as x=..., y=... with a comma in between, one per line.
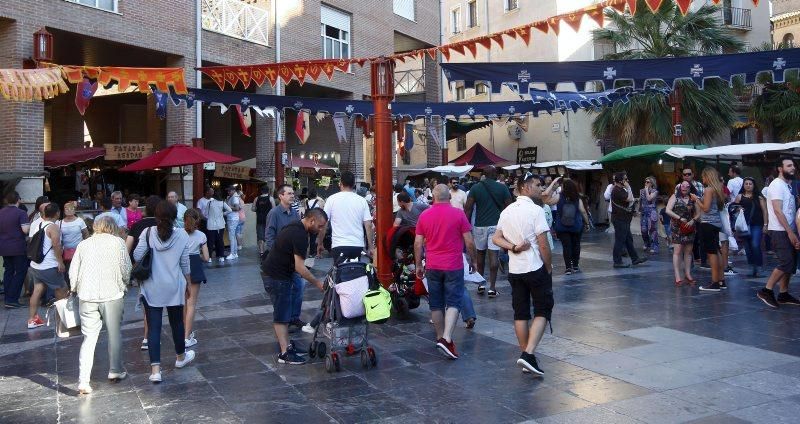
x=479, y=157
x=178, y=155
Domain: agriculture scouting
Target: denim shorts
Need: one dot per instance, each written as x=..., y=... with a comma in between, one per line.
x=445, y=288
x=281, y=293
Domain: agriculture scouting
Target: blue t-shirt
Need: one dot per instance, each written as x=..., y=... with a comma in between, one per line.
x=12, y=239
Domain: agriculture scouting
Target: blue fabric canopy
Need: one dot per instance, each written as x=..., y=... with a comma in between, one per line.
x=520, y=75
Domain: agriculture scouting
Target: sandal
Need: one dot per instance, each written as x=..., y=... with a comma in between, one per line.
x=481, y=289
x=492, y=293
x=691, y=281
x=678, y=283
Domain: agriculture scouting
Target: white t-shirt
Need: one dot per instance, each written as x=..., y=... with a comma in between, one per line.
x=458, y=198
x=735, y=186
x=71, y=232
x=520, y=221
x=196, y=240
x=779, y=190
x=50, y=256
x=347, y=212
x=607, y=196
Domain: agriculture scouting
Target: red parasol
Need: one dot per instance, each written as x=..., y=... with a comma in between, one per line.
x=178, y=155
x=479, y=157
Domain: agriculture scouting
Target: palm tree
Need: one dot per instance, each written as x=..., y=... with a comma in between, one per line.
x=647, y=118
x=777, y=109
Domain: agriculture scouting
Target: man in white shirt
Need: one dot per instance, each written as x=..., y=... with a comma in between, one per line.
x=783, y=234
x=349, y=216
x=202, y=204
x=172, y=197
x=118, y=209
x=735, y=182
x=458, y=198
x=522, y=230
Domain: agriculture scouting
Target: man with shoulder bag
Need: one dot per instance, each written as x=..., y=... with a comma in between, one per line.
x=622, y=210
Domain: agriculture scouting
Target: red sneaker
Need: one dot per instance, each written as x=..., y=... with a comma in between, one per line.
x=35, y=322
x=447, y=348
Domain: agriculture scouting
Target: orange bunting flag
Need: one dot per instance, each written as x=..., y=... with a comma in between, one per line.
x=328, y=70
x=445, y=52
x=457, y=47
x=498, y=38
x=632, y=6
x=162, y=78
x=574, y=20
x=596, y=15
x=473, y=48
x=299, y=73
x=31, y=84
x=654, y=4
x=486, y=42
x=618, y=5
x=285, y=73
x=683, y=5
x=554, y=24
x=524, y=33
x=542, y=26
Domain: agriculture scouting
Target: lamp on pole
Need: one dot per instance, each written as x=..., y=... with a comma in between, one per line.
x=675, y=100
x=383, y=93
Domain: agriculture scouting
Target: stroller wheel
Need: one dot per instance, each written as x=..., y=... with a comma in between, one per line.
x=336, y=363
x=328, y=364
x=321, y=349
x=373, y=358
x=312, y=349
x=365, y=359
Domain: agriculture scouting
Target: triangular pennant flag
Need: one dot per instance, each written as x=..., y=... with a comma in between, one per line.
x=472, y=47
x=84, y=93
x=458, y=48
x=258, y=110
x=258, y=75
x=618, y=5
x=285, y=73
x=654, y=4
x=632, y=6
x=511, y=33
x=554, y=24
x=401, y=58
x=596, y=14
x=230, y=77
x=683, y=6
x=313, y=71
x=574, y=20
x=302, y=126
x=218, y=78
x=486, y=42
x=271, y=74
x=361, y=62
x=445, y=52
x=242, y=121
x=431, y=53
x=243, y=74
x=498, y=38
x=541, y=26
x=342, y=65
x=341, y=132
x=328, y=69
x=524, y=33
x=299, y=71
x=755, y=3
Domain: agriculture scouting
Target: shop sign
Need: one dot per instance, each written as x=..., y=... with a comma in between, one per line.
x=127, y=151
x=232, y=172
x=325, y=181
x=526, y=155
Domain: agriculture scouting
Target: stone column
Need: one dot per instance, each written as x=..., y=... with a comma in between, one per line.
x=433, y=148
x=181, y=129
x=351, y=152
x=265, y=142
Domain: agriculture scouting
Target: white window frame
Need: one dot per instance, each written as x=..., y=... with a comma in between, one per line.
x=470, y=23
x=335, y=18
x=460, y=93
x=481, y=88
x=507, y=5
x=96, y=5
x=455, y=20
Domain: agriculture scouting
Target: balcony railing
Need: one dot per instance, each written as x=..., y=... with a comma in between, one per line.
x=237, y=19
x=409, y=81
x=736, y=17
x=404, y=8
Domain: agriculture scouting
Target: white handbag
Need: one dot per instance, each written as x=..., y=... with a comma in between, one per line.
x=351, y=296
x=68, y=311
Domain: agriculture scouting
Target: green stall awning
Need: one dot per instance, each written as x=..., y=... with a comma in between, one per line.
x=643, y=151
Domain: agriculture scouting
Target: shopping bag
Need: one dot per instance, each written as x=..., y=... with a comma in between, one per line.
x=351, y=296
x=741, y=227
x=68, y=311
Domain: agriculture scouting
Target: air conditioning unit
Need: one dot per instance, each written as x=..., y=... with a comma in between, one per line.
x=514, y=131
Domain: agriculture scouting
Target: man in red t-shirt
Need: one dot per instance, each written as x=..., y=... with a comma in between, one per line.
x=444, y=230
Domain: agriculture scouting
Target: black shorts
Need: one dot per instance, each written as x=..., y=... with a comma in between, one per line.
x=261, y=232
x=709, y=238
x=536, y=286
x=784, y=251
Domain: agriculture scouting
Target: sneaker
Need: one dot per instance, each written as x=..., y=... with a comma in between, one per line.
x=730, y=271
x=84, y=389
x=294, y=347
x=652, y=251
x=768, y=297
x=291, y=358
x=447, y=348
x=230, y=257
x=209, y=260
x=481, y=289
x=723, y=285
x=115, y=376
x=35, y=322
x=639, y=261
x=575, y=270
x=704, y=265
x=711, y=287
x=787, y=299
x=568, y=271
x=191, y=341
x=296, y=325
x=188, y=356
x=13, y=305
x=240, y=247
x=528, y=361
x=470, y=323
x=155, y=378
x=491, y=293
x=308, y=329
x=144, y=345
x=621, y=266
x=221, y=260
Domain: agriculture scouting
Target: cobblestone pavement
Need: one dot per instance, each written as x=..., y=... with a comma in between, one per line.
x=627, y=347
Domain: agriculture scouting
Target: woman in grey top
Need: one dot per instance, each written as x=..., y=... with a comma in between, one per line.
x=710, y=226
x=216, y=210
x=166, y=286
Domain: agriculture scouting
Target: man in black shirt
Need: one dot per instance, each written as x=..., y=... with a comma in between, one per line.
x=621, y=216
x=262, y=205
x=285, y=258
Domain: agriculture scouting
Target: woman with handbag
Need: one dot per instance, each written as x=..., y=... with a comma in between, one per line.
x=217, y=210
x=683, y=212
x=73, y=231
x=100, y=272
x=164, y=283
x=754, y=209
x=649, y=218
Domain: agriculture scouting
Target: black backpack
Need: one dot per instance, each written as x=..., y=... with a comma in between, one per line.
x=263, y=206
x=568, y=211
x=35, y=251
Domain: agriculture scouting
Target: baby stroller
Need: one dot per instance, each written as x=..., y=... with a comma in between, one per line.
x=406, y=286
x=340, y=327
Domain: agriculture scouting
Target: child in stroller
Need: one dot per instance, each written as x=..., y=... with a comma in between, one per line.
x=407, y=288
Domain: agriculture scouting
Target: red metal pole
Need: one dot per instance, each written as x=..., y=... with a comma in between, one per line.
x=677, y=121
x=444, y=157
x=198, y=176
x=382, y=94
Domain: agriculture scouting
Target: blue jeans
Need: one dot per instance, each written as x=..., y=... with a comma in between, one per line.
x=445, y=289
x=467, y=310
x=14, y=276
x=154, y=314
x=299, y=284
x=753, y=248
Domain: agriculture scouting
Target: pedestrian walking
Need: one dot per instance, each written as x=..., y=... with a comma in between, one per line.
x=14, y=227
x=132, y=212
x=735, y=183
x=444, y=232
x=688, y=175
x=242, y=219
x=286, y=258
x=710, y=205
x=622, y=203
x=100, y=273
x=232, y=221
x=166, y=287
x=49, y=273
x=73, y=231
x=754, y=208
x=570, y=224
x=118, y=209
x=489, y=198
x=522, y=231
x=217, y=211
x=198, y=255
x=261, y=206
x=649, y=214
x=313, y=201
x=458, y=198
x=684, y=215
x=172, y=197
x=132, y=241
x=782, y=228
x=351, y=222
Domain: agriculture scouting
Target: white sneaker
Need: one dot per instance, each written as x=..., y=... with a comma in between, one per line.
x=231, y=257
x=240, y=247
x=191, y=341
x=308, y=328
x=145, y=346
x=236, y=256
x=209, y=260
x=117, y=375
x=221, y=260
x=84, y=388
x=187, y=357
x=155, y=378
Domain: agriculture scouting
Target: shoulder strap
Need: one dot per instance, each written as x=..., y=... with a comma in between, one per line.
x=494, y=199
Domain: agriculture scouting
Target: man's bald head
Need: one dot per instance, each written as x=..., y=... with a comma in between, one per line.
x=490, y=172
x=441, y=194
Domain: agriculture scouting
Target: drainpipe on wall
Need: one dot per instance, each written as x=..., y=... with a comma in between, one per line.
x=280, y=141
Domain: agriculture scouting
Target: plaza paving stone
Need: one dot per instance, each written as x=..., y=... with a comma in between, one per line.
x=627, y=347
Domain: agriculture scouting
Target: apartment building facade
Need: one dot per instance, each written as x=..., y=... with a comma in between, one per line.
x=559, y=136
x=155, y=33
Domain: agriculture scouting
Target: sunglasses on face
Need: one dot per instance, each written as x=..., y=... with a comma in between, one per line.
x=687, y=174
